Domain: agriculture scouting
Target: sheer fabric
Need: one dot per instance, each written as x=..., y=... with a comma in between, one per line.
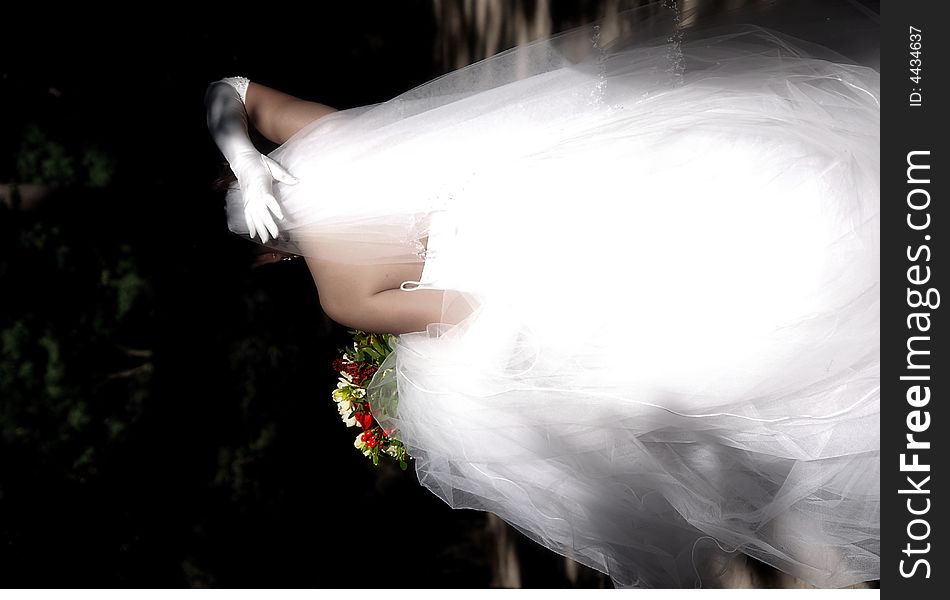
x=669, y=243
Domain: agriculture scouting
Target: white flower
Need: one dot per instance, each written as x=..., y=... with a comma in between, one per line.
x=345, y=409
x=359, y=392
x=392, y=451
x=348, y=420
x=358, y=443
x=338, y=395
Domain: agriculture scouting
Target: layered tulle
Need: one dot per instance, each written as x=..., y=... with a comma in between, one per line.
x=669, y=253
x=674, y=346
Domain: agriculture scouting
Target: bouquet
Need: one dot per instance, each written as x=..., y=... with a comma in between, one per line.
x=356, y=366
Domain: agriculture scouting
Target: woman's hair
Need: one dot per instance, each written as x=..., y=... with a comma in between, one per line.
x=262, y=255
x=225, y=178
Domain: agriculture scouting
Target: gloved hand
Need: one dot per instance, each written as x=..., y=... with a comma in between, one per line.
x=228, y=122
x=256, y=174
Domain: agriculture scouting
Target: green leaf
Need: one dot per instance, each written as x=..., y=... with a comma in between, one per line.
x=378, y=346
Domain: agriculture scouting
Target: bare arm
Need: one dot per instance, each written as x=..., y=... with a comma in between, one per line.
x=364, y=297
x=277, y=116
x=397, y=311
x=390, y=311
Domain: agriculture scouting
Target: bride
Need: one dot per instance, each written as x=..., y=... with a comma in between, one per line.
x=634, y=270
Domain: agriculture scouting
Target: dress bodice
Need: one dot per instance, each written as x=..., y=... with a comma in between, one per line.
x=436, y=272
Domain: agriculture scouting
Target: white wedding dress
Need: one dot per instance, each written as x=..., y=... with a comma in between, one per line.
x=669, y=247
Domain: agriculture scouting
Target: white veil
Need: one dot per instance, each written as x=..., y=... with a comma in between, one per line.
x=701, y=370
x=371, y=176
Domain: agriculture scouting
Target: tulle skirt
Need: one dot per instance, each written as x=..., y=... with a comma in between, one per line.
x=669, y=251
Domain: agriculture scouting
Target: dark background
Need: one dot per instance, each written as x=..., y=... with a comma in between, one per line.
x=165, y=410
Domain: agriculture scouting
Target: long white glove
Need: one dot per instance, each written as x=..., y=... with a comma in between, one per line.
x=228, y=122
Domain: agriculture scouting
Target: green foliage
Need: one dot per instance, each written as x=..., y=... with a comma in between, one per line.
x=42, y=159
x=360, y=365
x=99, y=166
x=70, y=389
x=370, y=348
x=263, y=359
x=240, y=465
